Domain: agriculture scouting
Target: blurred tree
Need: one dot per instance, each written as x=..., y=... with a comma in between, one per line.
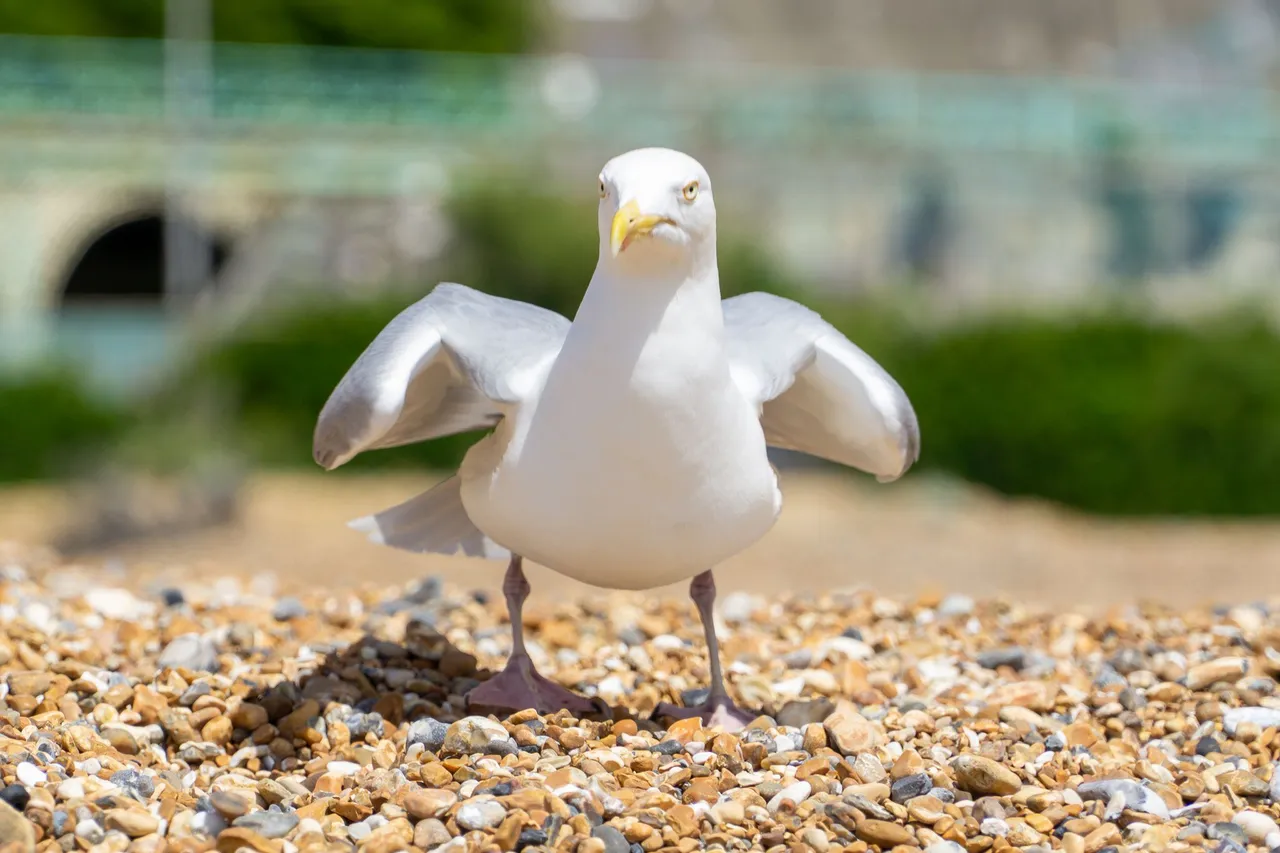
x=490, y=26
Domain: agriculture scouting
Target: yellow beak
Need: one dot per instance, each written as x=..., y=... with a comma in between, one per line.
x=628, y=222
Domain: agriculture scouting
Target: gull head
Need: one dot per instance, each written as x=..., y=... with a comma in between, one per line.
x=656, y=209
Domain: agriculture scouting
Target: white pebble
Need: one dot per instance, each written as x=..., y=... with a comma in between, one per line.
x=1256, y=825
x=30, y=775
x=611, y=686
x=71, y=789
x=784, y=743
x=208, y=823
x=482, y=815
x=88, y=830
x=343, y=768
x=994, y=827
x=308, y=824
x=704, y=757
x=944, y=847
x=796, y=793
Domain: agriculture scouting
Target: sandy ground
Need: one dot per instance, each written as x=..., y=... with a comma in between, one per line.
x=908, y=538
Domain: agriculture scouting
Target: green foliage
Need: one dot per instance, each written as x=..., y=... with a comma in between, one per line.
x=1112, y=415
x=52, y=426
x=455, y=25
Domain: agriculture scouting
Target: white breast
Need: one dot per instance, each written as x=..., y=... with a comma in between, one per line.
x=634, y=468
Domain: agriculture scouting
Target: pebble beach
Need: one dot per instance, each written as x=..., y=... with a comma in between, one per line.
x=210, y=716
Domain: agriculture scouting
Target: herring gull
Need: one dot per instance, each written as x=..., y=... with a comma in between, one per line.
x=628, y=447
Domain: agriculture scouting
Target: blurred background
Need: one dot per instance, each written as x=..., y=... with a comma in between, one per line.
x=1056, y=223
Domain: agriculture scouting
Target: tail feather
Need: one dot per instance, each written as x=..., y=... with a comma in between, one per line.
x=434, y=522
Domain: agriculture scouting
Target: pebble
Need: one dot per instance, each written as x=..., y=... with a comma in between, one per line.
x=288, y=608
x=16, y=829
x=472, y=735
x=1263, y=718
x=30, y=775
x=483, y=815
x=981, y=775
x=910, y=787
x=89, y=831
x=335, y=720
x=15, y=796
x=189, y=651
x=614, y=841
x=793, y=794
x=429, y=732
x=883, y=833
x=848, y=731
x=1256, y=825
x=135, y=783
x=132, y=822
x=268, y=824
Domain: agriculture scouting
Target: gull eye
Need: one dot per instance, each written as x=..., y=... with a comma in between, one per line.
x=603, y=191
x=690, y=191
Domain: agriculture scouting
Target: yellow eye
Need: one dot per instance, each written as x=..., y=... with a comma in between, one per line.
x=690, y=191
x=603, y=191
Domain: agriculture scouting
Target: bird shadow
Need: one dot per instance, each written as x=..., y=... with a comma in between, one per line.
x=422, y=677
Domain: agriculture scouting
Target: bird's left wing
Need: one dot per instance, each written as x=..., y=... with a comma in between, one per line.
x=818, y=392
x=456, y=360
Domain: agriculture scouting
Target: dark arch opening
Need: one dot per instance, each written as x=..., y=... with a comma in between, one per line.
x=126, y=264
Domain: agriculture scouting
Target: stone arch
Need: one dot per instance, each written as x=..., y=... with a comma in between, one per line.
x=122, y=260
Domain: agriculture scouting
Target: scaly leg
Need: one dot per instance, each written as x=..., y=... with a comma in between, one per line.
x=718, y=709
x=519, y=686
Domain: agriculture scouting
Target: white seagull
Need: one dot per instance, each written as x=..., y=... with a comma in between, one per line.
x=628, y=447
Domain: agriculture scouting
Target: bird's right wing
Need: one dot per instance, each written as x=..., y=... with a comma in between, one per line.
x=456, y=360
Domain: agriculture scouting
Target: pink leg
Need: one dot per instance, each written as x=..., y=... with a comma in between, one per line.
x=519, y=686
x=718, y=709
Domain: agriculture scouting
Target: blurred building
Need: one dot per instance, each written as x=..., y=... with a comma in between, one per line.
x=996, y=149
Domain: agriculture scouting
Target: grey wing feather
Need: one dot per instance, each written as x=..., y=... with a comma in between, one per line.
x=818, y=392
x=454, y=361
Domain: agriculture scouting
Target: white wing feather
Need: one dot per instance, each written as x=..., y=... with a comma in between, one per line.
x=454, y=361
x=819, y=393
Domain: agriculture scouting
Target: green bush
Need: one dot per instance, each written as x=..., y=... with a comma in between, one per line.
x=503, y=26
x=52, y=427
x=1112, y=415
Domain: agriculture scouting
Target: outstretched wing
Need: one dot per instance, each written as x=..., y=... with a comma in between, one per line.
x=818, y=392
x=454, y=361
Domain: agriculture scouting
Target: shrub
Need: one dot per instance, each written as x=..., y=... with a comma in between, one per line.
x=1111, y=415
x=52, y=426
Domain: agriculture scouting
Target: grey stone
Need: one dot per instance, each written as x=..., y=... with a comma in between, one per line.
x=288, y=608
x=910, y=787
x=996, y=658
x=798, y=714
x=268, y=824
x=135, y=783
x=190, y=651
x=1264, y=718
x=614, y=841
x=429, y=732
